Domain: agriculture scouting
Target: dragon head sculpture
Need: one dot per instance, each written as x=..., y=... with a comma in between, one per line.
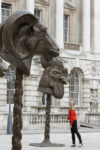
x=54, y=77
x=22, y=37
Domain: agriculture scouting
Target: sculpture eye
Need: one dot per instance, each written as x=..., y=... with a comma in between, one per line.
x=55, y=72
x=44, y=31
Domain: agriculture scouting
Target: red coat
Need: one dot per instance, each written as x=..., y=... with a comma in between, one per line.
x=71, y=116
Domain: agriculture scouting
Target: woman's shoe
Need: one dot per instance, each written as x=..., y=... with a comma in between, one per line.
x=81, y=144
x=73, y=145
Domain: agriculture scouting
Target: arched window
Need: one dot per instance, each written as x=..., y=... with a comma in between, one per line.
x=74, y=87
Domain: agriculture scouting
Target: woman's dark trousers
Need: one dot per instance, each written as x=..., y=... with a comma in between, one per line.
x=74, y=131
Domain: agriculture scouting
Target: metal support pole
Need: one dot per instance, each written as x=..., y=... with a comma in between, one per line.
x=9, y=123
x=10, y=76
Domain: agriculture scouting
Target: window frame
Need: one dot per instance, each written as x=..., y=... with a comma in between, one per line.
x=74, y=85
x=9, y=9
x=40, y=11
x=67, y=28
x=44, y=100
x=11, y=90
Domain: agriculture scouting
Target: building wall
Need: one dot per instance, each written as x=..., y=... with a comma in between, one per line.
x=14, y=3
x=84, y=61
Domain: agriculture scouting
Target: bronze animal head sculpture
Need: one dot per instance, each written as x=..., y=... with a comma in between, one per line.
x=54, y=77
x=3, y=68
x=22, y=37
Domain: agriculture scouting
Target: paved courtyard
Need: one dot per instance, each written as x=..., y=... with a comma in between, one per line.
x=91, y=141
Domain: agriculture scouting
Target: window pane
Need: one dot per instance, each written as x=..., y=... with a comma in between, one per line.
x=66, y=24
x=72, y=96
x=66, y=30
x=44, y=100
x=72, y=81
x=76, y=101
x=77, y=81
x=76, y=96
x=6, y=11
x=11, y=89
x=74, y=87
x=37, y=14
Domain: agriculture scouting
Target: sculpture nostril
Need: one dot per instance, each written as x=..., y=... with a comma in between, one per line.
x=54, y=52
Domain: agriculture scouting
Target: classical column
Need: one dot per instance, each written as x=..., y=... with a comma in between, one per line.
x=78, y=22
x=97, y=26
x=92, y=25
x=86, y=25
x=27, y=5
x=30, y=5
x=59, y=22
x=52, y=17
x=0, y=12
x=22, y=4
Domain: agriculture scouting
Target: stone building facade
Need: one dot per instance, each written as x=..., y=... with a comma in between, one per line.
x=74, y=24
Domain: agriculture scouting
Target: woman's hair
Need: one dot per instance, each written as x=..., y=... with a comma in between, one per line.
x=71, y=103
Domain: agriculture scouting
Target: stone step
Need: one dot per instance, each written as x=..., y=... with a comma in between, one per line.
x=84, y=124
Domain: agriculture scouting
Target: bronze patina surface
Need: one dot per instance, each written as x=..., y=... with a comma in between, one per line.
x=52, y=83
x=53, y=78
x=22, y=37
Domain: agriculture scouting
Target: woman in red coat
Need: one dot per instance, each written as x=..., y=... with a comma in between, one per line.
x=73, y=124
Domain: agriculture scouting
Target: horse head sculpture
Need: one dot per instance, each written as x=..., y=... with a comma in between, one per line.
x=54, y=77
x=21, y=37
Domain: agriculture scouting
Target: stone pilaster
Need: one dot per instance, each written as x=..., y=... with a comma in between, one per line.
x=97, y=26
x=3, y=94
x=92, y=25
x=52, y=17
x=30, y=93
x=22, y=4
x=0, y=13
x=78, y=22
x=27, y=5
x=59, y=22
x=86, y=25
x=30, y=5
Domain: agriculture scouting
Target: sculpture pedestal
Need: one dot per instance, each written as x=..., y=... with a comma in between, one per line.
x=46, y=143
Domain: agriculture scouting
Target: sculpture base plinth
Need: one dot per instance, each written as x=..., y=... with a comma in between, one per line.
x=47, y=143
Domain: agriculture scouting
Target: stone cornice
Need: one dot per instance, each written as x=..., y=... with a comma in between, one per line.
x=9, y=1
x=69, y=6
x=43, y=2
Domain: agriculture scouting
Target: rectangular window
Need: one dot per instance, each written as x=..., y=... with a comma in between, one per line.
x=44, y=100
x=37, y=14
x=6, y=11
x=74, y=87
x=10, y=87
x=66, y=28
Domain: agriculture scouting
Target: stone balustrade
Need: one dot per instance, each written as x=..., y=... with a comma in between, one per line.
x=36, y=117
x=54, y=119
x=71, y=46
x=93, y=118
x=41, y=109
